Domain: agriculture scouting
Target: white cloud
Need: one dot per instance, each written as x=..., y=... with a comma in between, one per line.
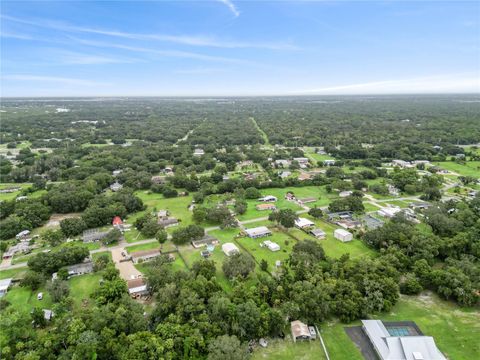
x=74, y=58
x=452, y=83
x=166, y=53
x=6, y=34
x=52, y=79
x=191, y=40
x=231, y=6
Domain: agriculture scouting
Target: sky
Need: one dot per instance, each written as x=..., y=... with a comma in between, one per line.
x=238, y=48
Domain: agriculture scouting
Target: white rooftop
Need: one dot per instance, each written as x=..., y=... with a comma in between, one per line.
x=400, y=347
x=302, y=222
x=4, y=284
x=257, y=231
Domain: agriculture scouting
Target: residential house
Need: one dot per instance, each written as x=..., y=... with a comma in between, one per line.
x=92, y=235
x=168, y=222
x=303, y=223
x=268, y=198
x=137, y=287
x=21, y=247
x=343, y=235
x=402, y=164
x=284, y=174
x=306, y=200
x=290, y=196
x=389, y=346
x=117, y=222
x=270, y=245
x=230, y=249
x=198, y=152
x=4, y=285
x=116, y=172
x=282, y=163
x=349, y=223
x=85, y=267
x=116, y=186
x=344, y=194
x=22, y=235
x=300, y=331
x=302, y=161
x=207, y=240
x=145, y=255
x=389, y=212
x=263, y=207
x=329, y=162
x=258, y=232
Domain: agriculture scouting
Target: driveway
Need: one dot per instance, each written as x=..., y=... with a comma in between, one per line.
x=127, y=270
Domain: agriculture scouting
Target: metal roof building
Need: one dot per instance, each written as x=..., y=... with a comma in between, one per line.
x=258, y=232
x=390, y=347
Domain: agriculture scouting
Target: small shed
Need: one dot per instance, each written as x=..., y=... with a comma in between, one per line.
x=300, y=331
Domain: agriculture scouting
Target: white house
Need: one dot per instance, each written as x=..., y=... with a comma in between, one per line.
x=329, y=162
x=198, y=152
x=116, y=186
x=257, y=232
x=389, y=212
x=4, y=285
x=391, y=346
x=303, y=223
x=230, y=249
x=344, y=194
x=271, y=245
x=268, y=198
x=343, y=235
x=22, y=234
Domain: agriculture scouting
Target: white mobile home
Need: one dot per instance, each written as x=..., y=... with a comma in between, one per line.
x=343, y=235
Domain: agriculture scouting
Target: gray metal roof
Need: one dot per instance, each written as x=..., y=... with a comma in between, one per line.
x=400, y=347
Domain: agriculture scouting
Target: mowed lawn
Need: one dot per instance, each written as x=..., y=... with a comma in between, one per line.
x=470, y=168
x=317, y=192
x=288, y=350
x=191, y=255
x=334, y=247
x=454, y=329
x=24, y=300
x=12, y=195
x=285, y=242
x=81, y=287
x=140, y=247
x=13, y=273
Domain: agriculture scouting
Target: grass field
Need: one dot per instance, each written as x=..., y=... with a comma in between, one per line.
x=190, y=254
x=98, y=254
x=24, y=299
x=454, y=329
x=333, y=247
x=470, y=168
x=81, y=287
x=13, y=273
x=288, y=350
x=323, y=199
x=262, y=253
x=148, y=246
x=13, y=195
